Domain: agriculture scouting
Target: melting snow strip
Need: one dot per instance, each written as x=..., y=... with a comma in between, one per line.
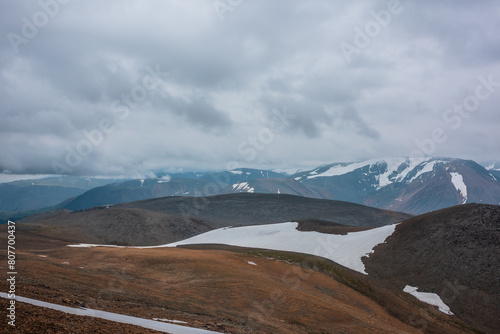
x=429, y=298
x=124, y=319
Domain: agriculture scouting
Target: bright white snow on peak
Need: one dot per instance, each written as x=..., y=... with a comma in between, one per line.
x=394, y=170
x=458, y=182
x=426, y=168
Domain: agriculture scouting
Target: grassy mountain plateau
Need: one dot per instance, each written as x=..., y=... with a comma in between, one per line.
x=379, y=246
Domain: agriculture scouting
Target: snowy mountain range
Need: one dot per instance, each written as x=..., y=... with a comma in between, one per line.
x=405, y=184
x=400, y=184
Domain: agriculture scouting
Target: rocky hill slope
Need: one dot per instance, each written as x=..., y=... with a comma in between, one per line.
x=170, y=219
x=453, y=252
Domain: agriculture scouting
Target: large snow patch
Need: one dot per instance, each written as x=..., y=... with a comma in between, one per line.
x=346, y=250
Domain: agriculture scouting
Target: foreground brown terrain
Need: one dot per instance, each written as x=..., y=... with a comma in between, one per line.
x=216, y=289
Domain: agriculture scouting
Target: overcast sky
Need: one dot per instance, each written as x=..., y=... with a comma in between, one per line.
x=125, y=87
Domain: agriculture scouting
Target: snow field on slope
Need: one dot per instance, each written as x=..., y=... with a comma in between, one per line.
x=458, y=182
x=429, y=298
x=124, y=319
x=346, y=250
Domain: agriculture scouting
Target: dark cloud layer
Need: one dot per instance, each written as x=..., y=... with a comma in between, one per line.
x=110, y=88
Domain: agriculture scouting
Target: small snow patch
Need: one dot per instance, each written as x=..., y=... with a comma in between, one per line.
x=94, y=245
x=171, y=321
x=429, y=298
x=252, y=263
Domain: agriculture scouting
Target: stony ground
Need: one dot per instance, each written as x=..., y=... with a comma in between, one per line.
x=453, y=252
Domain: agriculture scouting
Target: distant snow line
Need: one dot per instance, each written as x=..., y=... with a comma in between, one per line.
x=124, y=319
x=346, y=250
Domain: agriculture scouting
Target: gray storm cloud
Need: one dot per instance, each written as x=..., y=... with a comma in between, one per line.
x=65, y=64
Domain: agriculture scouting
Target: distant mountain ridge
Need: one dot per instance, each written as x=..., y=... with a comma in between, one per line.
x=400, y=184
x=25, y=195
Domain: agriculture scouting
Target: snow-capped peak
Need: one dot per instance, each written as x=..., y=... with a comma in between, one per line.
x=386, y=171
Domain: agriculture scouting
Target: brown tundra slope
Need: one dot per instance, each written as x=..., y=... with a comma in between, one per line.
x=224, y=289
